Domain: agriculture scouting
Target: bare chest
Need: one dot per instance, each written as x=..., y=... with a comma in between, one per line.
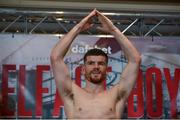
x=94, y=106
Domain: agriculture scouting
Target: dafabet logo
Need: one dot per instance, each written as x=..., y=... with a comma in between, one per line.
x=83, y=49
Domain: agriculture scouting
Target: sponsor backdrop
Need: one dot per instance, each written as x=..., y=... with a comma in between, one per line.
x=28, y=90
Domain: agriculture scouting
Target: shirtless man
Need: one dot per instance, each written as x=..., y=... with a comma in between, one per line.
x=93, y=102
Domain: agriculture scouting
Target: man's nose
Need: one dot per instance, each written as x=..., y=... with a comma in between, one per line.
x=96, y=65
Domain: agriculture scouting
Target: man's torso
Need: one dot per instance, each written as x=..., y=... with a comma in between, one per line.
x=82, y=104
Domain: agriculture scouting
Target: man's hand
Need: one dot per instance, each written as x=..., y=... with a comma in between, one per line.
x=107, y=25
x=86, y=22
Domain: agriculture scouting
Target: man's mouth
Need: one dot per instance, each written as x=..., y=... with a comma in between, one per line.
x=96, y=72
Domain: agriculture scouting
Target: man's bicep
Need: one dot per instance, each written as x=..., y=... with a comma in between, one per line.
x=128, y=78
x=62, y=78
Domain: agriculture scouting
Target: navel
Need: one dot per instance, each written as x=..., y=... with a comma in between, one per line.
x=111, y=109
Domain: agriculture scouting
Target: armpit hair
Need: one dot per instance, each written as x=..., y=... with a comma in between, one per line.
x=69, y=94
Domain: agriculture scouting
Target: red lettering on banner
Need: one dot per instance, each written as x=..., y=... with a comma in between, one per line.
x=153, y=88
x=57, y=105
x=21, y=93
x=5, y=90
x=138, y=93
x=78, y=75
x=154, y=109
x=172, y=85
x=39, y=88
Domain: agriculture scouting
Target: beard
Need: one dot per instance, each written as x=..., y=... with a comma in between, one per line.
x=95, y=76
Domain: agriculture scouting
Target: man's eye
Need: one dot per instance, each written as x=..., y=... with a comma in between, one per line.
x=99, y=63
x=90, y=63
x=102, y=63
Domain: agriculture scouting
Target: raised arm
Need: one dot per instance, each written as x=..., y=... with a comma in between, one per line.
x=60, y=70
x=129, y=74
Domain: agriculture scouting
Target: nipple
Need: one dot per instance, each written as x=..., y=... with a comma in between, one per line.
x=80, y=109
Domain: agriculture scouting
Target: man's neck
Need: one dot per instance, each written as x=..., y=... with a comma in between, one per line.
x=94, y=88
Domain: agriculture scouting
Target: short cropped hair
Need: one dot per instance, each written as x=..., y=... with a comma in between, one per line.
x=95, y=52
